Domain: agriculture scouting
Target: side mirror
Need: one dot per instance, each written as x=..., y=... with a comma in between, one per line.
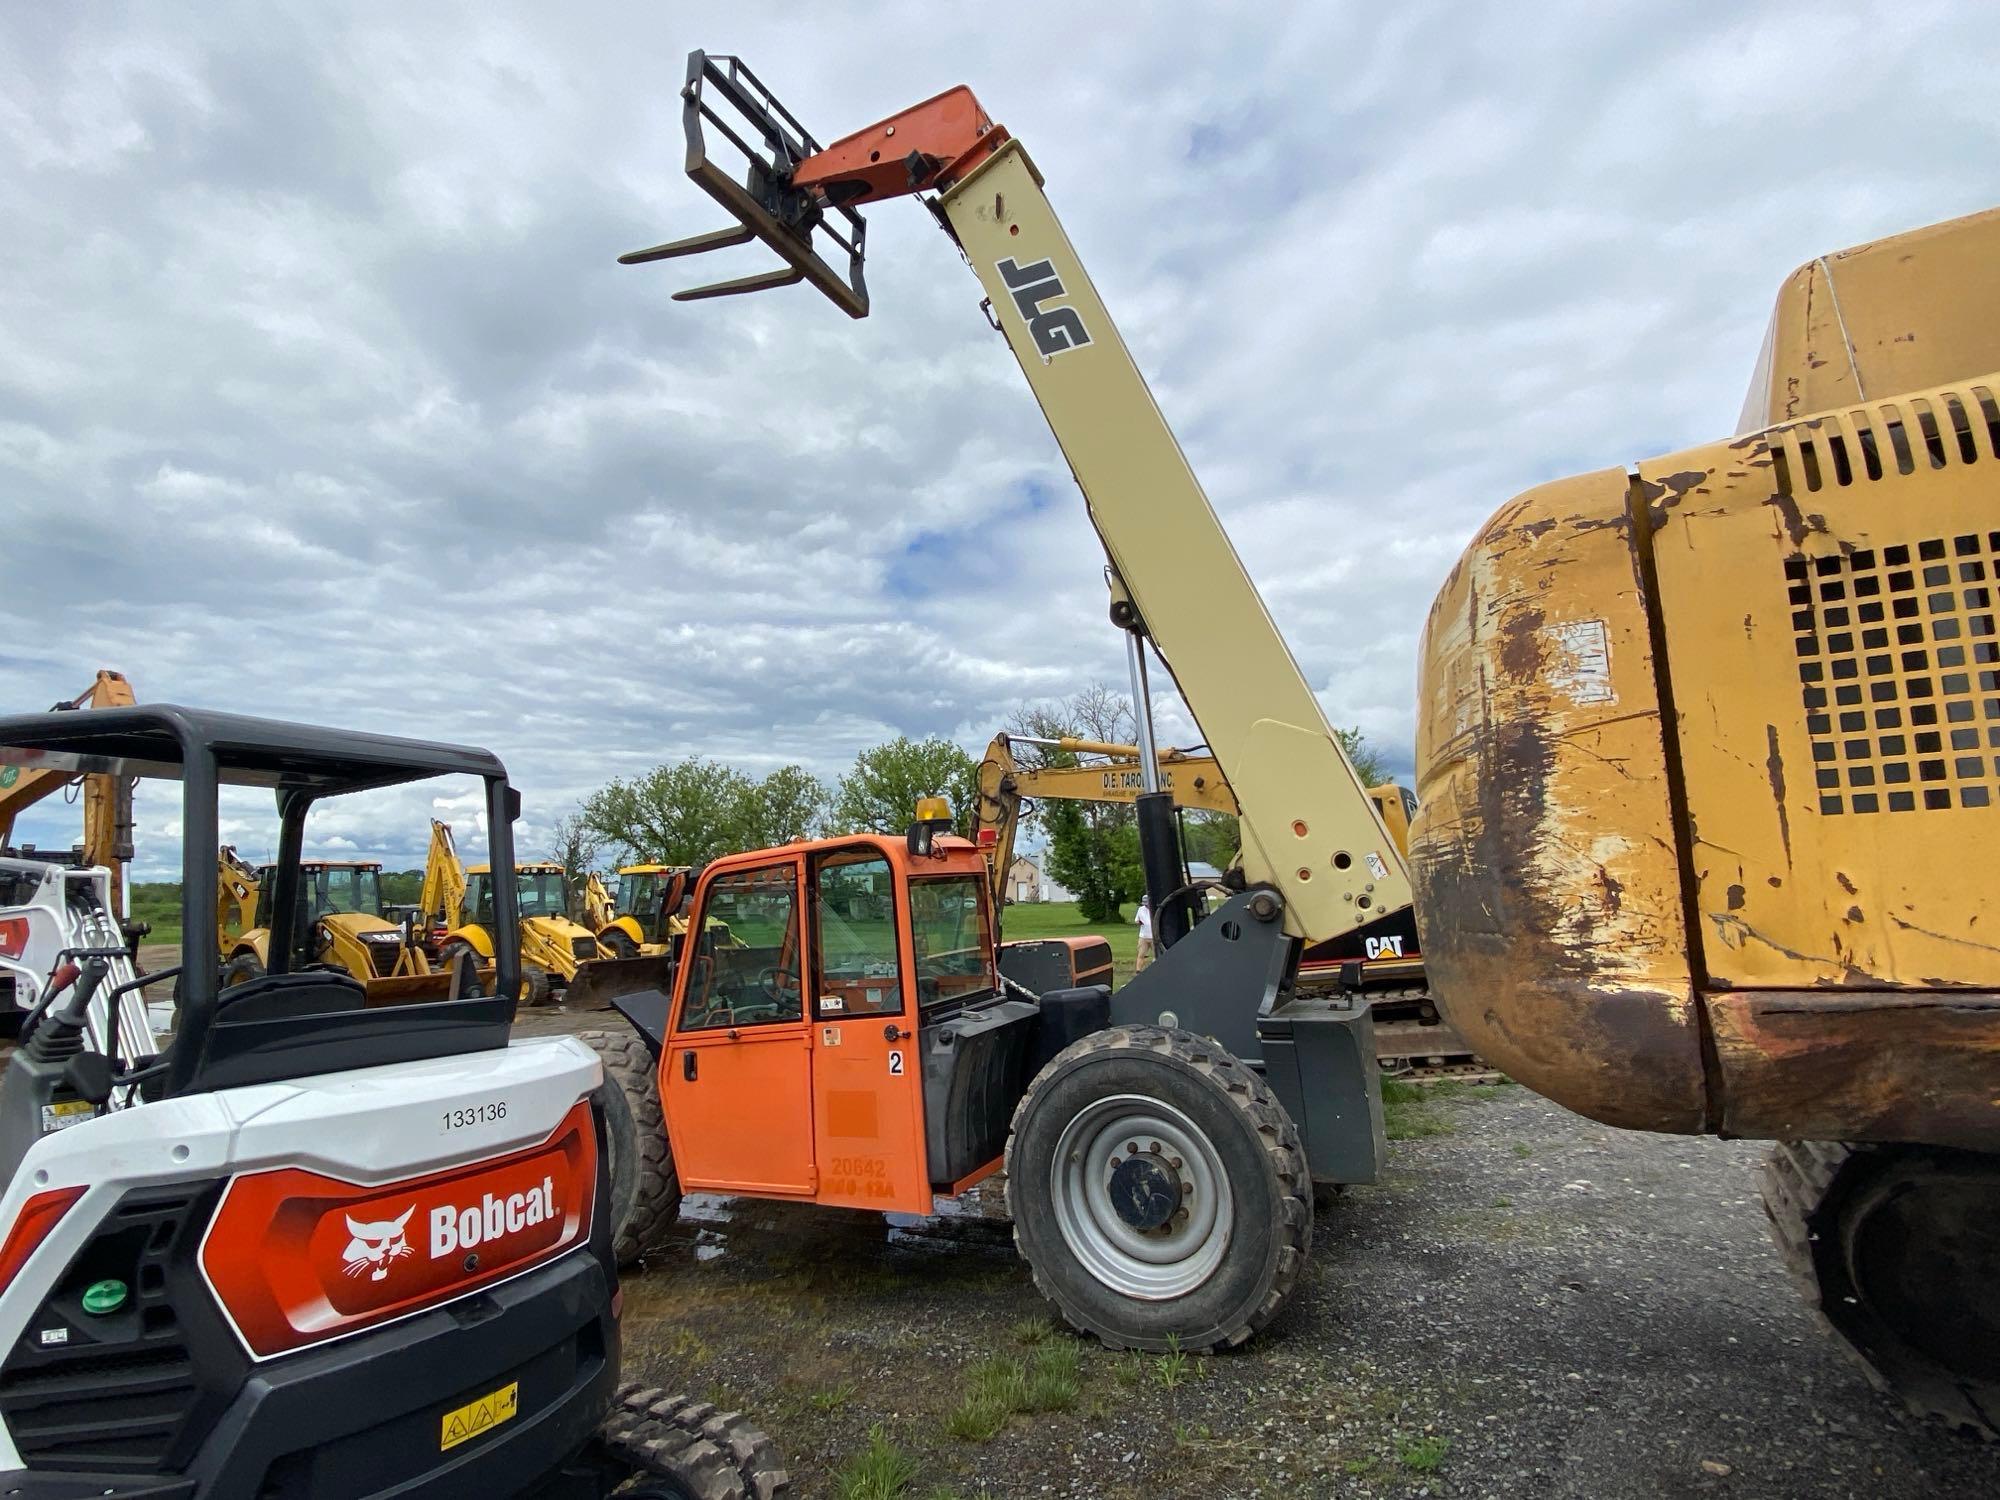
x=674, y=892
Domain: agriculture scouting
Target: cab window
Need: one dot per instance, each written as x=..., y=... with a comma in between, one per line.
x=746, y=965
x=952, y=936
x=854, y=902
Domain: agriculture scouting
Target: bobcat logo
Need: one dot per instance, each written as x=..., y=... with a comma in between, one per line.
x=375, y=1245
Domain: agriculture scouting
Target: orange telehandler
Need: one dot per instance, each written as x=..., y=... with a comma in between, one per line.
x=1706, y=748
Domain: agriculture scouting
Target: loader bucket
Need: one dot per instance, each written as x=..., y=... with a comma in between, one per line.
x=722, y=93
x=599, y=979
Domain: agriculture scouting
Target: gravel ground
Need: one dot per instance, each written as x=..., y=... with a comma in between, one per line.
x=1559, y=1308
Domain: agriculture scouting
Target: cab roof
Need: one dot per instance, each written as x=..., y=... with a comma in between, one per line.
x=155, y=740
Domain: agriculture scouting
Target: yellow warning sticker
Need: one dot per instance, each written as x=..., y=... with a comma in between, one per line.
x=475, y=1417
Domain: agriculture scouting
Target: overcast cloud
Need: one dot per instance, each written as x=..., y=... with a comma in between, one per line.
x=323, y=397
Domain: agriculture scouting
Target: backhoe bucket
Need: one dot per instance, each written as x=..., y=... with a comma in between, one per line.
x=598, y=979
x=728, y=96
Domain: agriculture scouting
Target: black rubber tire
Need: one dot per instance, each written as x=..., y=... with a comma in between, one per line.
x=536, y=987
x=448, y=955
x=1263, y=1163
x=1834, y=1208
x=645, y=1188
x=241, y=969
x=619, y=942
x=682, y=1449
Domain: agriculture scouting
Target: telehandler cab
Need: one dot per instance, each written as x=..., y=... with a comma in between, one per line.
x=317, y=1246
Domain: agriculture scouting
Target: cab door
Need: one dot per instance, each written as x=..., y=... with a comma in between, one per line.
x=736, y=1071
x=867, y=1075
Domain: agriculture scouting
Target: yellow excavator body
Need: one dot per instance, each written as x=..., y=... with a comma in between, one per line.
x=1704, y=743
x=347, y=931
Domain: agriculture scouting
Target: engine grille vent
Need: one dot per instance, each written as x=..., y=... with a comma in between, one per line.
x=1943, y=429
x=583, y=948
x=1900, y=670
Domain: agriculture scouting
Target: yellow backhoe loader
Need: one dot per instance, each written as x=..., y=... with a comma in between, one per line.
x=458, y=907
x=339, y=925
x=1381, y=962
x=634, y=921
x=1708, y=749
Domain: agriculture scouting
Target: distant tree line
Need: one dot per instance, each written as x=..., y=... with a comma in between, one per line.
x=690, y=811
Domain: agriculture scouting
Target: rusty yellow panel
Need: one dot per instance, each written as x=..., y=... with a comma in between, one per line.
x=1826, y=593
x=1908, y=313
x=1543, y=849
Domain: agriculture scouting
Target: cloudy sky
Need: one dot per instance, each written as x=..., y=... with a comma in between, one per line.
x=322, y=395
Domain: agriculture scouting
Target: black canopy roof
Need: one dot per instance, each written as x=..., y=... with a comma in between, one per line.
x=154, y=739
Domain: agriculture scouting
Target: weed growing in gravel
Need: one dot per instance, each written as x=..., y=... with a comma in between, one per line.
x=881, y=1471
x=1049, y=1380
x=1360, y=1466
x=1172, y=1367
x=1523, y=1150
x=689, y=1346
x=1423, y=1455
x=833, y=1397
x=1033, y=1330
x=1130, y=1369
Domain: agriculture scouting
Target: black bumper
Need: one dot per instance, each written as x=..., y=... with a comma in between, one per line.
x=338, y=1422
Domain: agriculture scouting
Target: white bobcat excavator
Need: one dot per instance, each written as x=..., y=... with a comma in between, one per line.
x=316, y=1246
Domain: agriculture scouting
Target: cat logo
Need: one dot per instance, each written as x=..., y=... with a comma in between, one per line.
x=1384, y=947
x=1056, y=329
x=376, y=1245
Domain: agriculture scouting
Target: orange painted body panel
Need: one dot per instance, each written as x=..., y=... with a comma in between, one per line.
x=813, y=1092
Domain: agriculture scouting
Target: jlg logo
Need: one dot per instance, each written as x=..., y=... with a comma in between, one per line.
x=1056, y=329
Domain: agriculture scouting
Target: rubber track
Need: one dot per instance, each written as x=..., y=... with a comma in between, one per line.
x=716, y=1455
x=1280, y=1137
x=657, y=1204
x=1797, y=1177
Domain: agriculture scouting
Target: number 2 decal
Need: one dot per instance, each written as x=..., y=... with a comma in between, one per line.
x=896, y=1064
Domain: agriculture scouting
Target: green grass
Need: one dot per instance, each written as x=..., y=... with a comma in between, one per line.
x=833, y=1397
x=996, y=1389
x=1059, y=919
x=881, y=1471
x=1423, y=1455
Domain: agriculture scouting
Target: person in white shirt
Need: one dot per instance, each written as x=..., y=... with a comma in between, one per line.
x=1145, y=922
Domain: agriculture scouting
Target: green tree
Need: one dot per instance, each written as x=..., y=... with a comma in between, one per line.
x=1092, y=847
x=785, y=807
x=1367, y=760
x=574, y=845
x=684, y=813
x=879, y=795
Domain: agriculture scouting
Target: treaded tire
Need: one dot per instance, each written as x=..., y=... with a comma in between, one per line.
x=1263, y=1163
x=645, y=1188
x=619, y=941
x=688, y=1450
x=1818, y=1196
x=241, y=969
x=536, y=987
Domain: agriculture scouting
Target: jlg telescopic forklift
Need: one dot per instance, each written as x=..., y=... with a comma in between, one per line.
x=1380, y=961
x=316, y=1247
x=1709, y=760
x=1160, y=1165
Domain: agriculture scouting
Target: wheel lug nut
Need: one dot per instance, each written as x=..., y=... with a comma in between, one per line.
x=1176, y=1162
x=1154, y=1148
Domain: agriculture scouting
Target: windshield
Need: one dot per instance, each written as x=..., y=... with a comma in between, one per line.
x=350, y=890
x=542, y=893
x=479, y=898
x=953, y=938
x=639, y=895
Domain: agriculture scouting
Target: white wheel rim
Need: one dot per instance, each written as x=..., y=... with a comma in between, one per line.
x=1150, y=1265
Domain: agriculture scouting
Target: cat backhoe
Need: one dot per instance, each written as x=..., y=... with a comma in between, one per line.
x=457, y=902
x=1784, y=639
x=1380, y=962
x=339, y=925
